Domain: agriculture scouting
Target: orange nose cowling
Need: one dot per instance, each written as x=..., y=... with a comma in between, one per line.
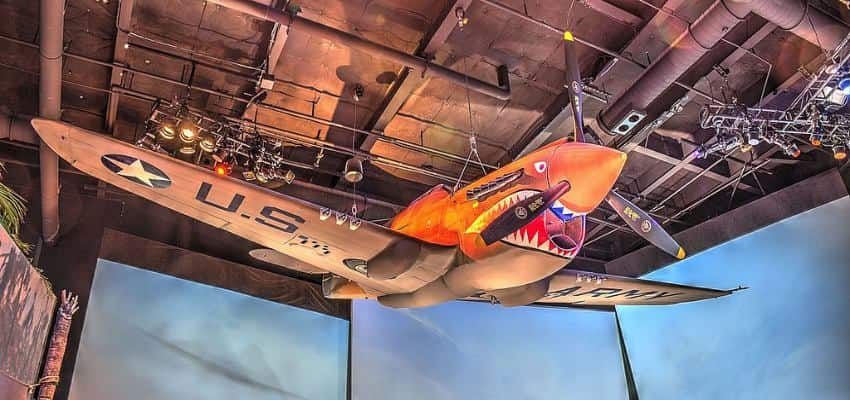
x=591, y=171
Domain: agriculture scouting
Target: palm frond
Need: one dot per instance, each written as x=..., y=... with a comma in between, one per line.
x=12, y=211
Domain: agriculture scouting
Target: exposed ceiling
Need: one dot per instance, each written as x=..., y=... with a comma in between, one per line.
x=134, y=51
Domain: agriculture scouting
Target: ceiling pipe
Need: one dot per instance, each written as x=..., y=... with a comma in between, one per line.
x=296, y=23
x=17, y=129
x=52, y=21
x=702, y=35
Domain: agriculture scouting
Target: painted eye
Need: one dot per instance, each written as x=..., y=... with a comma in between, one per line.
x=540, y=167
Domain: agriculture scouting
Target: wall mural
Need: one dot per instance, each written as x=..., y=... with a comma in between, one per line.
x=153, y=336
x=463, y=350
x=783, y=338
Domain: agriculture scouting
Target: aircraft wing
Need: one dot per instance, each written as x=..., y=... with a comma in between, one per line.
x=290, y=226
x=571, y=287
x=588, y=289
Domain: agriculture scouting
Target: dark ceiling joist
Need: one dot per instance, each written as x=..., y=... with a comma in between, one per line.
x=613, y=11
x=408, y=81
x=687, y=166
x=119, y=56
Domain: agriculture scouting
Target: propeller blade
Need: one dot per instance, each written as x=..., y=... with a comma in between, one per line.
x=522, y=213
x=644, y=225
x=574, y=86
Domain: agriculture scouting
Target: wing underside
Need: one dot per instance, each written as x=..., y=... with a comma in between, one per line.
x=583, y=289
x=290, y=231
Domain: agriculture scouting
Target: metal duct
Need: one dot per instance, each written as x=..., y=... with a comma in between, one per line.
x=702, y=35
x=50, y=106
x=17, y=129
x=297, y=23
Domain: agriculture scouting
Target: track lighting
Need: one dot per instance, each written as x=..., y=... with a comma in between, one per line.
x=341, y=218
x=324, y=214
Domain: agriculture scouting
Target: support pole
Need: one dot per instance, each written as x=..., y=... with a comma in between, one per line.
x=56, y=350
x=50, y=106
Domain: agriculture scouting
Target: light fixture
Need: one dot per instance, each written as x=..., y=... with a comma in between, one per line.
x=187, y=130
x=839, y=152
x=207, y=143
x=168, y=131
x=289, y=176
x=353, y=170
x=187, y=150
x=844, y=86
x=792, y=150
x=816, y=139
x=222, y=155
x=325, y=213
x=354, y=223
x=264, y=174
x=341, y=217
x=222, y=168
x=833, y=68
x=147, y=141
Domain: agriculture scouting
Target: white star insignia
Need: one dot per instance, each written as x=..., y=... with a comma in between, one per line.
x=137, y=170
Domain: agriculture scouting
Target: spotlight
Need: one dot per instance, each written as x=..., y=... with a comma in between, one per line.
x=792, y=150
x=262, y=174
x=207, y=143
x=147, y=141
x=752, y=138
x=354, y=223
x=289, y=176
x=221, y=155
x=222, y=168
x=816, y=139
x=833, y=68
x=844, y=86
x=188, y=131
x=324, y=214
x=839, y=152
x=187, y=150
x=353, y=170
x=341, y=218
x=168, y=130
x=462, y=19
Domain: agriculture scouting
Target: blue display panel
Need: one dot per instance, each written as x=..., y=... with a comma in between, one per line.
x=153, y=336
x=786, y=337
x=469, y=351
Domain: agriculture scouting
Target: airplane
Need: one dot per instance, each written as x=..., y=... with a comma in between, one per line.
x=505, y=238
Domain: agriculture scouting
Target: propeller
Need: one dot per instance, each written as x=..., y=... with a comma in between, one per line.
x=574, y=86
x=523, y=212
x=637, y=219
x=644, y=225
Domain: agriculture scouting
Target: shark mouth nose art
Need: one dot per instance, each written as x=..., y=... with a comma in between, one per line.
x=557, y=231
